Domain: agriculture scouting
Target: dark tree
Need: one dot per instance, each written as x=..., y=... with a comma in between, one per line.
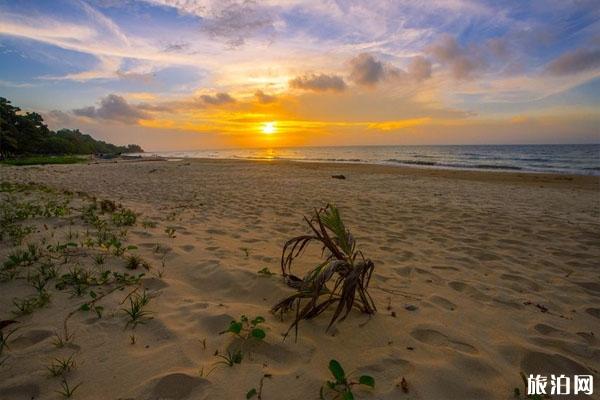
x=24, y=134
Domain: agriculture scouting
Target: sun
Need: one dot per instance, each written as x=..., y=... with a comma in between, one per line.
x=268, y=128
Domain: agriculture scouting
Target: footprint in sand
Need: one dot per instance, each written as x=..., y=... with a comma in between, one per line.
x=444, y=268
x=534, y=362
x=435, y=338
x=468, y=290
x=26, y=391
x=178, y=386
x=154, y=284
x=30, y=338
x=548, y=330
x=442, y=302
x=188, y=248
x=594, y=312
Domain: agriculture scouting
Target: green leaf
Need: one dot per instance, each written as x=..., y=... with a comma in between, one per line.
x=367, y=380
x=235, y=327
x=251, y=393
x=258, y=333
x=348, y=395
x=85, y=307
x=132, y=247
x=337, y=371
x=92, y=294
x=71, y=244
x=257, y=320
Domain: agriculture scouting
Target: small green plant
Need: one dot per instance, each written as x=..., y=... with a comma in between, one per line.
x=148, y=224
x=341, y=387
x=265, y=272
x=99, y=259
x=246, y=328
x=170, y=231
x=61, y=341
x=135, y=312
x=91, y=306
x=134, y=261
x=28, y=305
x=257, y=393
x=61, y=366
x=67, y=391
x=107, y=206
x=124, y=217
x=231, y=358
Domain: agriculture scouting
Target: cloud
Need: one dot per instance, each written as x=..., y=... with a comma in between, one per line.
x=143, y=77
x=113, y=108
x=319, y=82
x=463, y=63
x=217, y=99
x=366, y=70
x=419, y=68
x=237, y=21
x=575, y=61
x=264, y=98
x=57, y=119
x=19, y=85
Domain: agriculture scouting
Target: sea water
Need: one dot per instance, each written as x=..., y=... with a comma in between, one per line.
x=582, y=159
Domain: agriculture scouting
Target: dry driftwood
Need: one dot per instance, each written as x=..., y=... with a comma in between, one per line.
x=347, y=268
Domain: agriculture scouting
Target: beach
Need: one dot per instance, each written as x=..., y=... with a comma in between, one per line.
x=479, y=276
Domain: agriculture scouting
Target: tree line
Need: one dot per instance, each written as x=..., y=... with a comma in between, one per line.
x=26, y=134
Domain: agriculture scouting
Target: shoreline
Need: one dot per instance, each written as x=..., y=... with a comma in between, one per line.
x=415, y=165
x=564, y=159
x=589, y=182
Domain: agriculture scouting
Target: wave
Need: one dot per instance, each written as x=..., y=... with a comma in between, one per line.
x=491, y=166
x=447, y=165
x=412, y=162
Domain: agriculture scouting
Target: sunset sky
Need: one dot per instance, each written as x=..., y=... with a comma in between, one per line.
x=183, y=74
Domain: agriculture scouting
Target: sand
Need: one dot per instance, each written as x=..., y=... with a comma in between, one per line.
x=478, y=276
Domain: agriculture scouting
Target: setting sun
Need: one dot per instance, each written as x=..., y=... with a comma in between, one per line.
x=269, y=128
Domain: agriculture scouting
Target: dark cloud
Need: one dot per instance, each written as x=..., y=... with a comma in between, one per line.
x=319, y=82
x=463, y=63
x=176, y=47
x=264, y=98
x=575, y=61
x=419, y=68
x=217, y=99
x=113, y=108
x=366, y=70
x=236, y=21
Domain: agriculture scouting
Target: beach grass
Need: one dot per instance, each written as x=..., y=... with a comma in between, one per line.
x=43, y=160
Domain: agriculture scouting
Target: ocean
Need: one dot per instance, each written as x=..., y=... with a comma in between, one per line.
x=581, y=159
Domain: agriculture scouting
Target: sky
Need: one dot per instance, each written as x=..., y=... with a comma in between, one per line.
x=185, y=74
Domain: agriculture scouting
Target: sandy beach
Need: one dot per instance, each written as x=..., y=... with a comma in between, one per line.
x=479, y=276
